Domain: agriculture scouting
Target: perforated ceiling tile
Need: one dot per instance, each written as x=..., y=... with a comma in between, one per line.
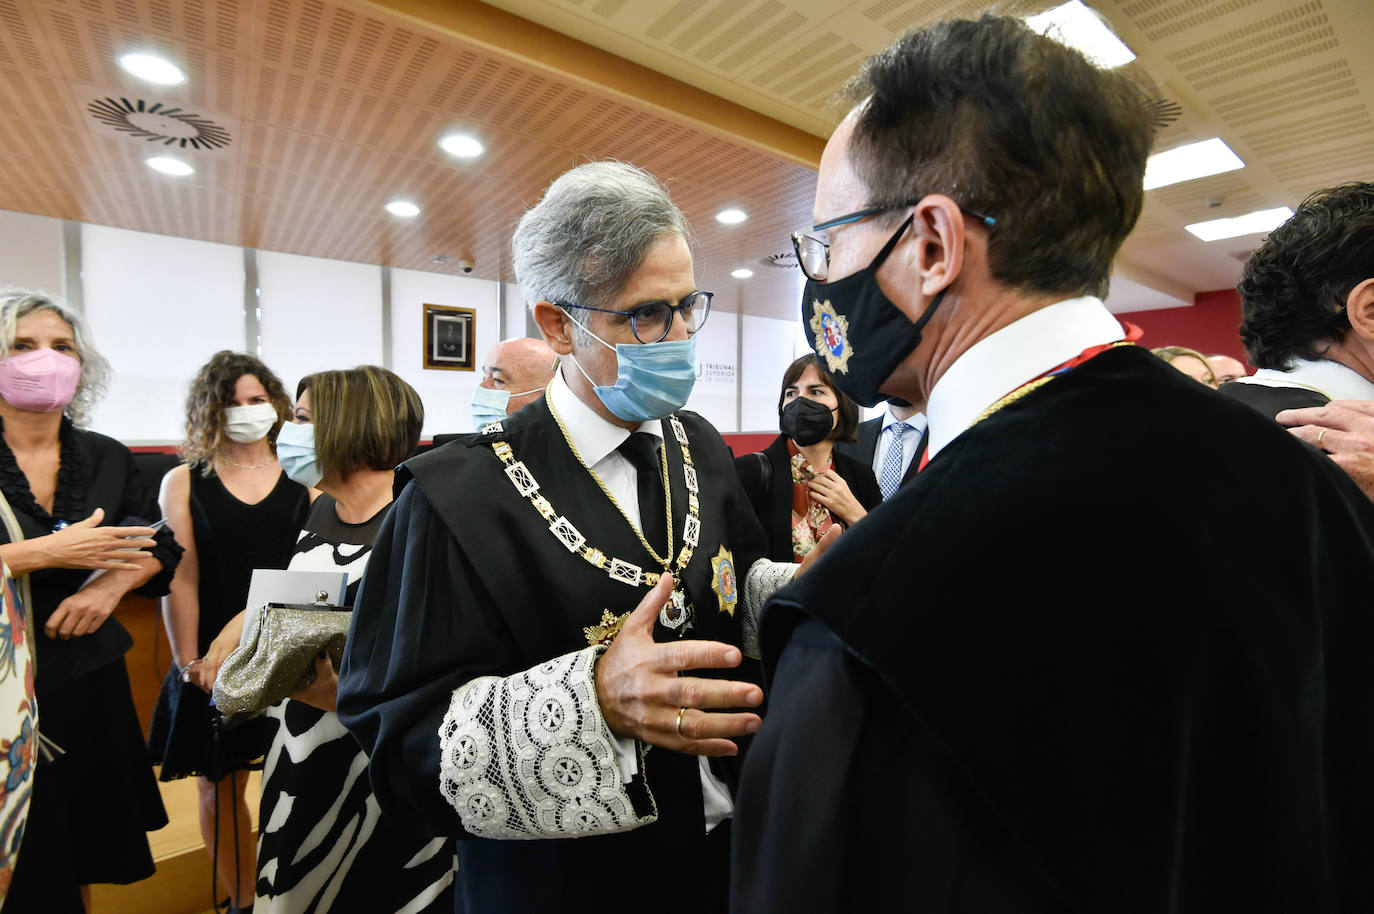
x=1163, y=19
x=1272, y=98
x=1257, y=47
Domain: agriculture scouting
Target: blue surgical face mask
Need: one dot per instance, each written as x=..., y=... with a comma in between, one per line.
x=653, y=380
x=296, y=453
x=490, y=405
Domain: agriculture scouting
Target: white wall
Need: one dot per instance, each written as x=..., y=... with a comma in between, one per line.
x=158, y=308
x=31, y=252
x=318, y=314
x=446, y=394
x=713, y=395
x=769, y=346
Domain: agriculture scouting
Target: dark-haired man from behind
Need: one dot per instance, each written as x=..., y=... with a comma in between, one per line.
x=1307, y=300
x=1033, y=729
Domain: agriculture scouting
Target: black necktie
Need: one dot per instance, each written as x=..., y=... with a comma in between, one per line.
x=641, y=449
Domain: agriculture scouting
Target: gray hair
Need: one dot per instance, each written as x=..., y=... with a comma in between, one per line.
x=583, y=241
x=95, y=371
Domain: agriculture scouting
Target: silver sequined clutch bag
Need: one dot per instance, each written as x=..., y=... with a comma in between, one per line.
x=276, y=656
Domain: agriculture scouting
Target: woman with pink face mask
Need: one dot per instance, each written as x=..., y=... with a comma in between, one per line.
x=85, y=515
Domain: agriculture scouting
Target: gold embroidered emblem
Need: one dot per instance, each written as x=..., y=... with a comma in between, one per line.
x=832, y=335
x=605, y=632
x=723, y=581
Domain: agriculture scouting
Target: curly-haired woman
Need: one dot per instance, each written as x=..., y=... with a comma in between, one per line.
x=234, y=510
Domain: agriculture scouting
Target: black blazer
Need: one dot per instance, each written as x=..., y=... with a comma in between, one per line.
x=863, y=449
x=770, y=492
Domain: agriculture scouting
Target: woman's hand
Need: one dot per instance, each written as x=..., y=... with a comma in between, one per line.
x=323, y=693
x=81, y=613
x=203, y=671
x=830, y=489
x=84, y=544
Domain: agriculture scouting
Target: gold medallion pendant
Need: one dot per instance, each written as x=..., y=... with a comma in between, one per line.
x=724, y=582
x=605, y=632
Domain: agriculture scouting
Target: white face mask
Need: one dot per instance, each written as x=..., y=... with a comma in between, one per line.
x=246, y=424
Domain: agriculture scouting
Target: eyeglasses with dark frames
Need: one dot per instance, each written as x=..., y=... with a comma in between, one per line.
x=813, y=253
x=651, y=321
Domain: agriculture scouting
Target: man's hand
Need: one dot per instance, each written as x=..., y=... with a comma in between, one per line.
x=641, y=693
x=1345, y=430
x=81, y=613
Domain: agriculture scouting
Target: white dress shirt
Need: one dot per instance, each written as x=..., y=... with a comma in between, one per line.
x=910, y=442
x=1331, y=379
x=596, y=441
x=1021, y=351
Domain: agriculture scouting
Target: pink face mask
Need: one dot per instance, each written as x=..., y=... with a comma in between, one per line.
x=39, y=381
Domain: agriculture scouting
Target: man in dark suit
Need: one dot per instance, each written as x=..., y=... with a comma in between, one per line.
x=892, y=444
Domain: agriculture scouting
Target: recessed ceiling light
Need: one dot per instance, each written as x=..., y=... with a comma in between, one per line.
x=742, y=273
x=169, y=166
x=1250, y=224
x=1195, y=160
x=731, y=216
x=462, y=146
x=153, y=68
x=402, y=208
x=1085, y=31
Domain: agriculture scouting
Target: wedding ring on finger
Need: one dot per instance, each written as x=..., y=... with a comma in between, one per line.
x=1320, y=434
x=678, y=728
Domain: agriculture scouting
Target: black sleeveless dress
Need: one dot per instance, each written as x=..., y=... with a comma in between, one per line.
x=232, y=538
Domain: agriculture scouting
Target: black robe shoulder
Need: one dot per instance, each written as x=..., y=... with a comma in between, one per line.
x=1048, y=676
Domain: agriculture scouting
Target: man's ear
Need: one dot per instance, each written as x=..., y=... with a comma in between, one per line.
x=1359, y=307
x=939, y=252
x=553, y=323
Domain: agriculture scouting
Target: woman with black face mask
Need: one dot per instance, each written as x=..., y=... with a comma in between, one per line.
x=800, y=485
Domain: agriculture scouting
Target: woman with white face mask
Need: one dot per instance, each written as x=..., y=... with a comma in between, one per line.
x=80, y=506
x=233, y=509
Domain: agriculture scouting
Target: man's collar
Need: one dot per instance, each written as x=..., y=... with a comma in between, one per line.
x=1019, y=352
x=1331, y=379
x=592, y=435
x=916, y=420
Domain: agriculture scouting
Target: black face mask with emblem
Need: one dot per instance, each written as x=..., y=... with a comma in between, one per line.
x=858, y=331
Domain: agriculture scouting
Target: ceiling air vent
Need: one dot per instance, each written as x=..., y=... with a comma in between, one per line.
x=156, y=123
x=784, y=261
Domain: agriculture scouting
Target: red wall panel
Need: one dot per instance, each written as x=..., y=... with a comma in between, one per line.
x=1211, y=325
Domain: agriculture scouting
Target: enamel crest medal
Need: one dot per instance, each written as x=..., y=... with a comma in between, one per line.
x=724, y=582
x=832, y=335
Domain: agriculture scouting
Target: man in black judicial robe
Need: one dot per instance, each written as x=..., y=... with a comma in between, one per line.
x=1098, y=701
x=477, y=674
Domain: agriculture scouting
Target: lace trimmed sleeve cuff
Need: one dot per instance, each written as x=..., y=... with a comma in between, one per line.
x=764, y=577
x=530, y=756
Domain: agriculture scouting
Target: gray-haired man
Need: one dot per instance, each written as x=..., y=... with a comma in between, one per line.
x=565, y=588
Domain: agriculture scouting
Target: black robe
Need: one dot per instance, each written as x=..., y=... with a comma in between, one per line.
x=1046, y=676
x=1273, y=400
x=466, y=580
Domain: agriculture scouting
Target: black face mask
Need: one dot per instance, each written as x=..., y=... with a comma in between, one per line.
x=806, y=422
x=857, y=329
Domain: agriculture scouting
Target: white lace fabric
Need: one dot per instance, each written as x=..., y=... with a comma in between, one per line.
x=530, y=755
x=764, y=577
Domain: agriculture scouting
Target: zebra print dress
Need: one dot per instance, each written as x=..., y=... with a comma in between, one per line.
x=323, y=845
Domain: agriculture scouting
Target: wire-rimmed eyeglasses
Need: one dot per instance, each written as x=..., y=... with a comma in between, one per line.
x=813, y=251
x=651, y=321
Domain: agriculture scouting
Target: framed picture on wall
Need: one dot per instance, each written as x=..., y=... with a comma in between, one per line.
x=449, y=338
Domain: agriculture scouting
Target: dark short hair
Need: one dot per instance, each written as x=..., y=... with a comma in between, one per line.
x=366, y=418
x=1014, y=125
x=1293, y=292
x=847, y=421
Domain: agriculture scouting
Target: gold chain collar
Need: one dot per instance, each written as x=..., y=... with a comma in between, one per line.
x=572, y=539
